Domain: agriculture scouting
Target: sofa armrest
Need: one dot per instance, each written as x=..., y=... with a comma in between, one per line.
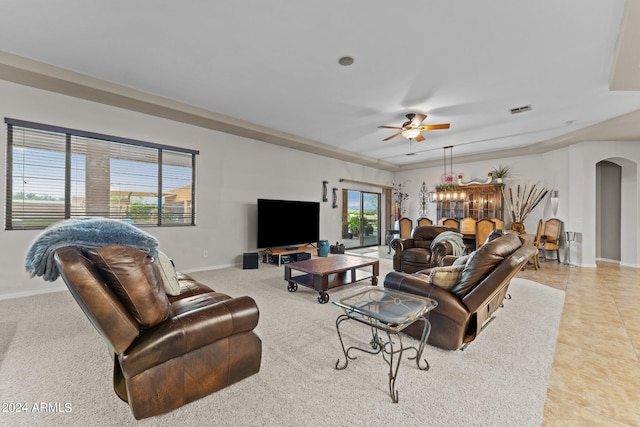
x=399, y=245
x=447, y=260
x=439, y=251
x=202, y=321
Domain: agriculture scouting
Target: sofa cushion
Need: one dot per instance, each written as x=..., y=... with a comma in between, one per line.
x=429, y=232
x=445, y=277
x=483, y=261
x=133, y=277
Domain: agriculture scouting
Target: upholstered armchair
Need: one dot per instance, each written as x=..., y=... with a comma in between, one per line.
x=168, y=350
x=419, y=252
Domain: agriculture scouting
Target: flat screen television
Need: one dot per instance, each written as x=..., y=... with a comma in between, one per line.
x=287, y=223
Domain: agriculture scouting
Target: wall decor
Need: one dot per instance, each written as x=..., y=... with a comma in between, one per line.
x=423, y=201
x=334, y=204
x=324, y=191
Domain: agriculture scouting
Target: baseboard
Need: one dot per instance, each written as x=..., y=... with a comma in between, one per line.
x=213, y=267
x=32, y=293
x=626, y=264
x=610, y=261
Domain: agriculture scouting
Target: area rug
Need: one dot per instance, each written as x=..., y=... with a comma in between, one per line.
x=55, y=370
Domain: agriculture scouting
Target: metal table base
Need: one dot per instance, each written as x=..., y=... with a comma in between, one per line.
x=386, y=348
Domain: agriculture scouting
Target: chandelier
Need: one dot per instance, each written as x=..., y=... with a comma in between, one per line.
x=448, y=190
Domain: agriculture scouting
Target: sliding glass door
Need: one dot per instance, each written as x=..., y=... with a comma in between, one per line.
x=360, y=219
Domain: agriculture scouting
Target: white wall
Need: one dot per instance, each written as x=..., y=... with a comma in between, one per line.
x=232, y=173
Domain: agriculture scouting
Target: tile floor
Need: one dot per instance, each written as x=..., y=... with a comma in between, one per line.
x=595, y=378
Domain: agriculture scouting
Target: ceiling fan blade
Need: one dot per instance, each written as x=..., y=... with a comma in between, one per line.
x=392, y=136
x=435, y=127
x=419, y=138
x=417, y=119
x=389, y=127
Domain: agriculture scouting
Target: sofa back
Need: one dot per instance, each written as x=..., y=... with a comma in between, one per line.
x=118, y=287
x=98, y=302
x=498, y=279
x=484, y=260
x=424, y=235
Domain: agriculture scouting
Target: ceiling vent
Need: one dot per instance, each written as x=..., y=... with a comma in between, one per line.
x=520, y=109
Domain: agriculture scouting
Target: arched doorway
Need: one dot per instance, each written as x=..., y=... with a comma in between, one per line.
x=617, y=211
x=608, y=211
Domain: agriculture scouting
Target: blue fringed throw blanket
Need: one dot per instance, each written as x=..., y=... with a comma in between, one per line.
x=85, y=232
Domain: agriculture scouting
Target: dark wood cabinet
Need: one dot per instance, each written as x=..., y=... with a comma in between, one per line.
x=479, y=201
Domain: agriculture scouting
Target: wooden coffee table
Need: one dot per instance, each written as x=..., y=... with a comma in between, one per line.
x=322, y=274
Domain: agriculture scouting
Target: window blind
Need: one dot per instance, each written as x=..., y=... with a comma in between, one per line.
x=55, y=173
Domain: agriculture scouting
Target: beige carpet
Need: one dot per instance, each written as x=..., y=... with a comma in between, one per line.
x=49, y=353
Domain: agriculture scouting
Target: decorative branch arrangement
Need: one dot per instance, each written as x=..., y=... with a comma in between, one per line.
x=399, y=196
x=522, y=200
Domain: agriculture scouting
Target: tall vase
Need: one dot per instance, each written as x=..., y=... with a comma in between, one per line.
x=554, y=202
x=518, y=227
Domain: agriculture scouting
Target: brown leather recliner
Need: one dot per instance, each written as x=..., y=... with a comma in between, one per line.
x=465, y=308
x=415, y=253
x=168, y=350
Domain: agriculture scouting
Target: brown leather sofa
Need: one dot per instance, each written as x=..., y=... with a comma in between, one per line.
x=414, y=254
x=168, y=350
x=477, y=294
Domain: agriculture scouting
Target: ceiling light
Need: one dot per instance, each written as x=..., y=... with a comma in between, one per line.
x=410, y=133
x=345, y=60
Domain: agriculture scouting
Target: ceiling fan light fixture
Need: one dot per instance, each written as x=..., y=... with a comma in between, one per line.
x=411, y=133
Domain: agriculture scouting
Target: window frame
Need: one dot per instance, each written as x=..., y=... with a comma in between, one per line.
x=67, y=134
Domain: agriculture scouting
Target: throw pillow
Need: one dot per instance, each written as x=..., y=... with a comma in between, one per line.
x=168, y=274
x=445, y=277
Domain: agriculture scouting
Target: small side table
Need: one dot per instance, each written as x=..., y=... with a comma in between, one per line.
x=389, y=236
x=389, y=311
x=569, y=236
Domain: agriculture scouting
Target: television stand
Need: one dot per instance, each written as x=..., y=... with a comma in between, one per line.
x=281, y=256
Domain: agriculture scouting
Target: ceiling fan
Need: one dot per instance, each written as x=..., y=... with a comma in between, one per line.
x=411, y=129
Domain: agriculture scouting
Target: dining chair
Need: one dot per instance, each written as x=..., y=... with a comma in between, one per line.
x=551, y=237
x=538, y=244
x=451, y=223
x=484, y=227
x=468, y=231
x=424, y=221
x=499, y=223
x=406, y=228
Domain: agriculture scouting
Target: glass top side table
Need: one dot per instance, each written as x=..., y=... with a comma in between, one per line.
x=388, y=311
